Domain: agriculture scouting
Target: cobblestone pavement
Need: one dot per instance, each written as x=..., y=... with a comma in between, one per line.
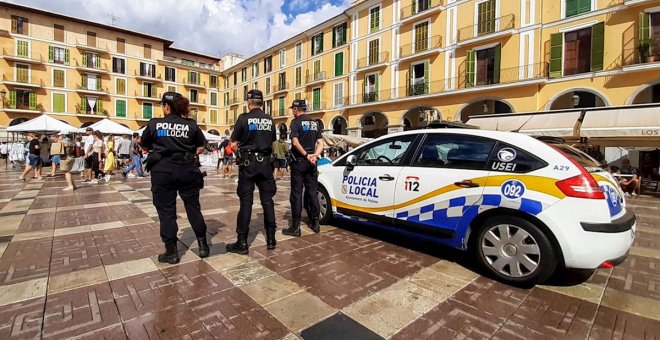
x=84, y=265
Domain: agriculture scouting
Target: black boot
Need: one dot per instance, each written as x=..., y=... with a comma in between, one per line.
x=170, y=255
x=241, y=245
x=293, y=230
x=270, y=239
x=316, y=227
x=203, y=247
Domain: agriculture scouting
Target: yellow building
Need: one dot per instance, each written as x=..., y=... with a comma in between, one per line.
x=81, y=71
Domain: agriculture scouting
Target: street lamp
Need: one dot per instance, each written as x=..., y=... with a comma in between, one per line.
x=576, y=100
x=485, y=106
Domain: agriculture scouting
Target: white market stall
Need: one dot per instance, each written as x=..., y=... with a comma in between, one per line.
x=43, y=124
x=108, y=127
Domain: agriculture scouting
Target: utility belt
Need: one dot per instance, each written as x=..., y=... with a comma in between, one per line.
x=246, y=158
x=181, y=158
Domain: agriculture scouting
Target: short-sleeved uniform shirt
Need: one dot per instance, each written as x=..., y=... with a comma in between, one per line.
x=255, y=132
x=307, y=131
x=172, y=134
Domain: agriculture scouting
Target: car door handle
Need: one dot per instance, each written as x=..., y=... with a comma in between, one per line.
x=386, y=178
x=466, y=184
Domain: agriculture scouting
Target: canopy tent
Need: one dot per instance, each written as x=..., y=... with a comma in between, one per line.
x=343, y=141
x=43, y=124
x=108, y=127
x=209, y=136
x=622, y=122
x=555, y=124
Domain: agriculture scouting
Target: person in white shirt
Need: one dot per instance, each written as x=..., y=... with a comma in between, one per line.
x=88, y=142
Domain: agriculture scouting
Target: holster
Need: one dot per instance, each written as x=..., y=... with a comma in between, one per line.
x=153, y=158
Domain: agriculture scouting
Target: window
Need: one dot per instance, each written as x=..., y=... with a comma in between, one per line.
x=486, y=17
x=420, y=5
x=120, y=107
x=373, y=52
x=454, y=152
x=245, y=92
x=371, y=88
x=188, y=62
x=91, y=82
x=149, y=90
x=281, y=83
x=22, y=100
x=59, y=102
x=298, y=76
x=649, y=37
x=120, y=86
x=339, y=35
x=389, y=152
x=147, y=110
x=419, y=79
x=255, y=85
x=282, y=58
x=235, y=78
x=317, y=44
x=255, y=69
x=58, y=33
x=91, y=106
x=91, y=60
x=214, y=98
x=121, y=45
x=19, y=25
x=118, y=65
x=235, y=97
x=281, y=106
x=171, y=88
x=339, y=64
x=268, y=64
x=339, y=95
x=578, y=51
x=316, y=69
x=58, y=55
x=316, y=99
x=421, y=42
x=193, y=77
x=267, y=85
x=170, y=74
x=214, y=116
x=298, y=52
x=147, y=51
x=147, y=70
x=374, y=19
x=577, y=7
x=226, y=98
x=269, y=107
x=243, y=74
x=193, y=96
x=22, y=48
x=22, y=73
x=91, y=39
x=522, y=161
x=58, y=78
x=483, y=66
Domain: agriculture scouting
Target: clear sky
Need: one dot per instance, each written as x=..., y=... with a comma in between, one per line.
x=214, y=27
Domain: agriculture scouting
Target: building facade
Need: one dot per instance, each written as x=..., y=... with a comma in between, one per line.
x=377, y=68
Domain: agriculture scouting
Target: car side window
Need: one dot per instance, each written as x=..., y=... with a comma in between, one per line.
x=449, y=151
x=389, y=152
x=508, y=158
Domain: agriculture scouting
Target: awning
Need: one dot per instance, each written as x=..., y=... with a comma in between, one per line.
x=556, y=124
x=642, y=122
x=42, y=124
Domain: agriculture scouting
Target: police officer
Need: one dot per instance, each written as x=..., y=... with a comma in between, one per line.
x=174, y=142
x=252, y=140
x=307, y=146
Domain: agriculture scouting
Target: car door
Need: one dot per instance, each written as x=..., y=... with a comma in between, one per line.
x=366, y=190
x=443, y=185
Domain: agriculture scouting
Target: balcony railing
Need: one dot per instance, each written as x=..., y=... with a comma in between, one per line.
x=146, y=75
x=23, y=56
x=318, y=106
x=341, y=102
x=92, y=66
x=641, y=55
x=371, y=96
x=281, y=87
x=419, y=7
x=506, y=76
x=23, y=80
x=315, y=78
x=198, y=102
x=193, y=83
x=233, y=101
x=96, y=89
x=149, y=96
x=487, y=27
x=373, y=59
x=420, y=46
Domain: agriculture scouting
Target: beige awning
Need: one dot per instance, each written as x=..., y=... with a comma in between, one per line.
x=556, y=124
x=642, y=122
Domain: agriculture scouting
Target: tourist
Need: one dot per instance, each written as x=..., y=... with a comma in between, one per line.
x=4, y=150
x=34, y=159
x=55, y=154
x=630, y=181
x=97, y=157
x=124, y=150
x=136, y=158
x=110, y=162
x=68, y=159
x=88, y=142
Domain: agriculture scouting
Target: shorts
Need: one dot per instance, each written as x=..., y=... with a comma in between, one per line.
x=124, y=156
x=88, y=161
x=227, y=160
x=66, y=164
x=34, y=160
x=279, y=163
x=56, y=159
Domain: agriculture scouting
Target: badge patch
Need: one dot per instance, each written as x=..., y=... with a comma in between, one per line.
x=513, y=189
x=507, y=155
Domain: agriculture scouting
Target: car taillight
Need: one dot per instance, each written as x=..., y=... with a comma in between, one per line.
x=581, y=186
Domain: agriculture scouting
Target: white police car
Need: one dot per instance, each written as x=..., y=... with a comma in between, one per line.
x=521, y=205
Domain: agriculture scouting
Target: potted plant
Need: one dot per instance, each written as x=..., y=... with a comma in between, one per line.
x=78, y=109
x=644, y=49
x=40, y=108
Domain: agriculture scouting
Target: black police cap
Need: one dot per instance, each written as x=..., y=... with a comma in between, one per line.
x=299, y=104
x=255, y=95
x=169, y=98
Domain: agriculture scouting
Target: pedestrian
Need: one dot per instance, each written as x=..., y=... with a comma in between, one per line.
x=97, y=157
x=44, y=152
x=56, y=152
x=68, y=159
x=175, y=142
x=124, y=150
x=33, y=159
x=4, y=150
x=79, y=162
x=88, y=149
x=136, y=158
x=279, y=153
x=253, y=139
x=221, y=154
x=307, y=146
x=110, y=162
x=228, y=160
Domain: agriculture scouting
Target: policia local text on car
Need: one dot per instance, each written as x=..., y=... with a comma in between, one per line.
x=252, y=141
x=307, y=146
x=175, y=141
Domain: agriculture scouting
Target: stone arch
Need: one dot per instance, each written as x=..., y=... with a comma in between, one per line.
x=374, y=124
x=484, y=105
x=214, y=132
x=339, y=125
x=419, y=117
x=645, y=94
x=589, y=98
x=84, y=125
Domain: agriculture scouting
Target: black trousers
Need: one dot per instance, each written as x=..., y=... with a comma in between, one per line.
x=186, y=181
x=304, y=174
x=261, y=175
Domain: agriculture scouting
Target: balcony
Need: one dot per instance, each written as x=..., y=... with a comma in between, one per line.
x=317, y=107
x=487, y=28
x=317, y=78
x=23, y=81
x=421, y=47
x=92, y=89
x=233, y=101
x=505, y=76
x=280, y=88
x=198, y=103
x=374, y=60
x=153, y=96
x=341, y=102
x=94, y=48
x=148, y=77
x=419, y=7
x=26, y=57
x=194, y=84
x=91, y=67
x=643, y=57
x=372, y=97
x=23, y=106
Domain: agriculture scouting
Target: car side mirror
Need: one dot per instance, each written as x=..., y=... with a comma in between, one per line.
x=351, y=161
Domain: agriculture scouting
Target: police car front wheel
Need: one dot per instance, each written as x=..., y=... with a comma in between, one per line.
x=325, y=206
x=515, y=250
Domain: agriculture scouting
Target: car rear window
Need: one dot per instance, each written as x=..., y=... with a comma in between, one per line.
x=582, y=158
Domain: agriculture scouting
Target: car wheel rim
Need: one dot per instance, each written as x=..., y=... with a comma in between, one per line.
x=323, y=204
x=510, y=250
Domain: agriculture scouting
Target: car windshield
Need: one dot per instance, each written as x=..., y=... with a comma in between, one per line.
x=579, y=156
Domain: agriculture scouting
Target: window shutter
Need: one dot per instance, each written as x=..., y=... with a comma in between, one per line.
x=14, y=25
x=334, y=37
x=571, y=8
x=414, y=6
x=470, y=68
x=84, y=60
x=33, y=101
x=99, y=86
x=376, y=82
x=556, y=54
x=644, y=27
x=583, y=6
x=427, y=85
x=597, y=46
x=83, y=105
x=67, y=56
x=51, y=54
x=339, y=64
x=99, y=106
x=97, y=61
x=58, y=102
x=12, y=98
x=410, y=81
x=84, y=81
x=498, y=64
x=321, y=44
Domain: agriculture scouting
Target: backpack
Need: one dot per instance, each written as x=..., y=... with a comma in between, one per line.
x=228, y=150
x=78, y=151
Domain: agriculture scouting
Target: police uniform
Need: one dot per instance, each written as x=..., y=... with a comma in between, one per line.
x=174, y=168
x=255, y=133
x=303, y=172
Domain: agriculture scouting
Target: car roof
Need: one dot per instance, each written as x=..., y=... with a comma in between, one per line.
x=510, y=137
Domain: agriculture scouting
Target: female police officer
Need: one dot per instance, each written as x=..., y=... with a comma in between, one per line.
x=175, y=142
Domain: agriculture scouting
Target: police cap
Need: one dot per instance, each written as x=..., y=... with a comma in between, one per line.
x=255, y=95
x=169, y=98
x=299, y=104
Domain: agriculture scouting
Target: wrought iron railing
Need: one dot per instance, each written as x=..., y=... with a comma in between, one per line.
x=486, y=27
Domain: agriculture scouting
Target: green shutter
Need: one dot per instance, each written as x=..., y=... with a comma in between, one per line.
x=83, y=105
x=33, y=101
x=571, y=8
x=584, y=6
x=316, y=104
x=470, y=68
x=51, y=54
x=644, y=27
x=58, y=102
x=97, y=61
x=321, y=49
x=84, y=82
x=339, y=64
x=147, y=111
x=99, y=85
x=427, y=85
x=22, y=49
x=410, y=81
x=67, y=56
x=84, y=60
x=12, y=99
x=414, y=6
x=344, y=32
x=376, y=83
x=498, y=64
x=597, y=46
x=556, y=54
x=120, y=108
x=99, y=107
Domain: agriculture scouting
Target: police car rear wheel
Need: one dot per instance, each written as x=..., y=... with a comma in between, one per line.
x=325, y=206
x=515, y=250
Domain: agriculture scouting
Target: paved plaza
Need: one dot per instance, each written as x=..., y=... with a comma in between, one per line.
x=84, y=265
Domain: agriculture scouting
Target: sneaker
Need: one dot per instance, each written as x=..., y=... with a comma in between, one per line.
x=131, y=176
x=107, y=178
x=123, y=174
x=94, y=181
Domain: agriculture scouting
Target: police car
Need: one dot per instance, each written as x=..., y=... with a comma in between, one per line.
x=523, y=206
